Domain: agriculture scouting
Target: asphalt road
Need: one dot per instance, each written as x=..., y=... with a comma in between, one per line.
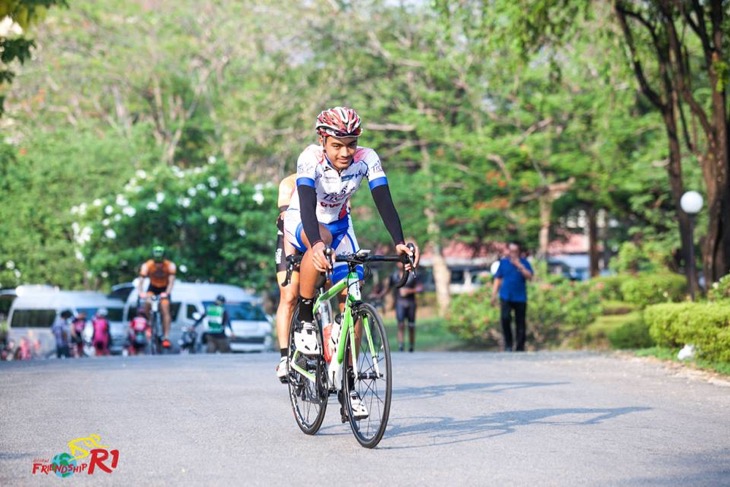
x=457, y=419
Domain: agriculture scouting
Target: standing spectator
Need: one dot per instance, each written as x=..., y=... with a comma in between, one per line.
x=405, y=305
x=62, y=332
x=101, y=332
x=218, y=321
x=510, y=285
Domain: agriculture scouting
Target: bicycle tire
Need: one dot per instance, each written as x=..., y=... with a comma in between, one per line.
x=374, y=383
x=308, y=399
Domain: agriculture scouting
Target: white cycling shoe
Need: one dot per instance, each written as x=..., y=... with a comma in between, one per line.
x=306, y=340
x=359, y=411
x=282, y=370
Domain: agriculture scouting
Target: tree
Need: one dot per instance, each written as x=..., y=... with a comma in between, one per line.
x=677, y=30
x=214, y=228
x=14, y=44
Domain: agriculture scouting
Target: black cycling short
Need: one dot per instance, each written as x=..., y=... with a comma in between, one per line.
x=158, y=290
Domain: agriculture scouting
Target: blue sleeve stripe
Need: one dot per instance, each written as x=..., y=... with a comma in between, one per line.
x=305, y=182
x=378, y=182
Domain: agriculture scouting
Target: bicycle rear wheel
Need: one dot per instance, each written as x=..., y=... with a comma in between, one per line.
x=308, y=390
x=373, y=382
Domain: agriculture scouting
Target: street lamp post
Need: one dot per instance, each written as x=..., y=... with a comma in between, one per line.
x=691, y=203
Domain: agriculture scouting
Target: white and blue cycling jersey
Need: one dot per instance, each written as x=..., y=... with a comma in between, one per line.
x=333, y=190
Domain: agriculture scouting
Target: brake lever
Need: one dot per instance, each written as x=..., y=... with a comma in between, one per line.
x=410, y=259
x=289, y=270
x=329, y=252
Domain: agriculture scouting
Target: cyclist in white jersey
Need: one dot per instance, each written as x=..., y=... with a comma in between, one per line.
x=318, y=215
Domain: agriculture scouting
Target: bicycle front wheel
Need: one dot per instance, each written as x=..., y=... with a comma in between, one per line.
x=155, y=345
x=370, y=378
x=307, y=380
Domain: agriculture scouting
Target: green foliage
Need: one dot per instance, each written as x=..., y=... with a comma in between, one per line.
x=704, y=325
x=556, y=310
x=609, y=287
x=18, y=48
x=631, y=335
x=475, y=109
x=720, y=290
x=473, y=319
x=559, y=309
x=646, y=289
x=214, y=228
x=629, y=259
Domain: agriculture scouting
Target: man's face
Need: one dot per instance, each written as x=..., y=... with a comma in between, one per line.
x=340, y=151
x=514, y=251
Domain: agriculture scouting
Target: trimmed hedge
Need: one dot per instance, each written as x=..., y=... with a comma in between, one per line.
x=705, y=325
x=645, y=290
x=633, y=334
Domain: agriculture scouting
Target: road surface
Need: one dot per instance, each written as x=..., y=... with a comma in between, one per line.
x=532, y=419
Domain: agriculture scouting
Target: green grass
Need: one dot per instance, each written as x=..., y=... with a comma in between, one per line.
x=670, y=354
x=431, y=335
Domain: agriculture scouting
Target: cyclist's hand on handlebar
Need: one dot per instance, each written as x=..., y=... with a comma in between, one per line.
x=412, y=250
x=320, y=260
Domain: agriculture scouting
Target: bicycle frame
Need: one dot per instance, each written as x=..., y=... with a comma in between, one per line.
x=352, y=283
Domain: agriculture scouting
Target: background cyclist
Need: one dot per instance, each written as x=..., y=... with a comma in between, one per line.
x=318, y=215
x=161, y=273
x=287, y=294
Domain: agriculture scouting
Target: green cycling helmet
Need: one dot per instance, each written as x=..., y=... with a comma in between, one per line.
x=158, y=252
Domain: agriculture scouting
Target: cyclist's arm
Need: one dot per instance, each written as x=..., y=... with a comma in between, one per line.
x=142, y=276
x=170, y=284
x=388, y=213
x=308, y=202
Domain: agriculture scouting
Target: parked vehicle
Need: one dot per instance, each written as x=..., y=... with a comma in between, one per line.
x=251, y=326
x=33, y=312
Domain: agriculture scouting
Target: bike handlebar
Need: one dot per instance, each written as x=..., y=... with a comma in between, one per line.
x=360, y=257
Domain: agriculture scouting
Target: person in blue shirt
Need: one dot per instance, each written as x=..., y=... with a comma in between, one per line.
x=510, y=285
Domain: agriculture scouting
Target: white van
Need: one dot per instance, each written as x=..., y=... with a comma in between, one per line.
x=252, y=328
x=33, y=312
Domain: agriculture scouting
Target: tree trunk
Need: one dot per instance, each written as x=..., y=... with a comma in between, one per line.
x=676, y=185
x=441, y=273
x=715, y=169
x=546, y=209
x=592, y=241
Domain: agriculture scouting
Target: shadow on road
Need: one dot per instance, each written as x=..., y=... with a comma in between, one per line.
x=445, y=430
x=407, y=393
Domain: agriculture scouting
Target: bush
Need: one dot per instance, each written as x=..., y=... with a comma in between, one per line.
x=650, y=256
x=609, y=287
x=720, y=290
x=473, y=318
x=556, y=309
x=644, y=290
x=633, y=334
x=705, y=325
